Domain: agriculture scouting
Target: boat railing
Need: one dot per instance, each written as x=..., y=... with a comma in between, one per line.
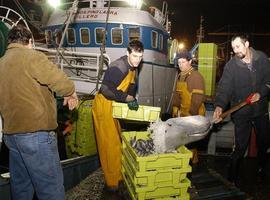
x=160, y=15
x=79, y=66
x=10, y=17
x=102, y=3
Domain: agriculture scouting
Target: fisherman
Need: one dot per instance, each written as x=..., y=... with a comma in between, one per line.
x=118, y=85
x=189, y=94
x=28, y=81
x=248, y=72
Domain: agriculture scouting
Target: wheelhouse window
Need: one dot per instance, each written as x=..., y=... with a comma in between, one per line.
x=48, y=37
x=133, y=34
x=117, y=36
x=71, y=36
x=58, y=36
x=154, y=39
x=85, y=35
x=160, y=42
x=99, y=33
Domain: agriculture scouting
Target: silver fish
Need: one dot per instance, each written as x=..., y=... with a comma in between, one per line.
x=169, y=135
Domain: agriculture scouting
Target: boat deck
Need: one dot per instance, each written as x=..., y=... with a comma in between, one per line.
x=207, y=179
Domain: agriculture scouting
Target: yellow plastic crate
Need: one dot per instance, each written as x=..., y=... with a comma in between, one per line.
x=185, y=197
x=160, y=178
x=153, y=162
x=144, y=113
x=169, y=192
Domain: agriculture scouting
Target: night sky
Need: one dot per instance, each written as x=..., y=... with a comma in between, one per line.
x=248, y=16
x=226, y=16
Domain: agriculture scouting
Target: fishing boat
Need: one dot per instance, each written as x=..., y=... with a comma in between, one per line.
x=84, y=37
x=98, y=32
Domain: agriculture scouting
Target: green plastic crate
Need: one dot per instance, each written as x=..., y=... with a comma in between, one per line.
x=207, y=65
x=207, y=50
x=144, y=113
x=160, y=178
x=82, y=140
x=157, y=161
x=169, y=192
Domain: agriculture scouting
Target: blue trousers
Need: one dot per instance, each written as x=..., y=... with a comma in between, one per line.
x=34, y=166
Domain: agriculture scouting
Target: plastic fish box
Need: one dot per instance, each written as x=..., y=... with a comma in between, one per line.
x=160, y=178
x=144, y=113
x=81, y=140
x=169, y=192
x=177, y=160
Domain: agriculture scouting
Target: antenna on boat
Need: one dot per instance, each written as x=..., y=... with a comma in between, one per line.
x=102, y=47
x=201, y=31
x=164, y=12
x=200, y=36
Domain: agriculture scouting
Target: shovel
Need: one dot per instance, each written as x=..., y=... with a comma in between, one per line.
x=237, y=107
x=227, y=112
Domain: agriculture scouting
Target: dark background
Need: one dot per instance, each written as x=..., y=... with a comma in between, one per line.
x=220, y=16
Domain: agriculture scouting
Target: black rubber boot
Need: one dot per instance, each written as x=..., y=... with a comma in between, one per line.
x=233, y=172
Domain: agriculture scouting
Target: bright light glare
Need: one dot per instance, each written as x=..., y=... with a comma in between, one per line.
x=54, y=3
x=181, y=46
x=135, y=3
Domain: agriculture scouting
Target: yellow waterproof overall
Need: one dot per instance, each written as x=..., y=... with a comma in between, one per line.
x=108, y=136
x=185, y=97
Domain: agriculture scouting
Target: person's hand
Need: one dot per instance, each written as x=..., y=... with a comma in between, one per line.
x=216, y=115
x=175, y=112
x=72, y=101
x=68, y=128
x=253, y=98
x=256, y=97
x=129, y=98
x=133, y=105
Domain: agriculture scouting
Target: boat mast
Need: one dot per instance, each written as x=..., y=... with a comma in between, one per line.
x=103, y=46
x=201, y=32
x=72, y=13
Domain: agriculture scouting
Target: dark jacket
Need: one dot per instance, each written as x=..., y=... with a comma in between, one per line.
x=114, y=75
x=239, y=80
x=27, y=82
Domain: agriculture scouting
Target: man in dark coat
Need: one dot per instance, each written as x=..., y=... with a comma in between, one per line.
x=248, y=72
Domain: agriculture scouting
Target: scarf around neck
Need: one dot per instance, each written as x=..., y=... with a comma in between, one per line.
x=184, y=74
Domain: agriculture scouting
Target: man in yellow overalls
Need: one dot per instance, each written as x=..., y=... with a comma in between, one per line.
x=118, y=85
x=189, y=94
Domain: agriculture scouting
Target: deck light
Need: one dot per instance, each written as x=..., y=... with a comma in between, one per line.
x=181, y=46
x=135, y=3
x=54, y=3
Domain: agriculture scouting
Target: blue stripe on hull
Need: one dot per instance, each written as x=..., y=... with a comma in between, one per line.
x=145, y=35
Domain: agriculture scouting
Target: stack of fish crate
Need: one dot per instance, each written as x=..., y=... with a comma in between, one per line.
x=81, y=141
x=156, y=176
